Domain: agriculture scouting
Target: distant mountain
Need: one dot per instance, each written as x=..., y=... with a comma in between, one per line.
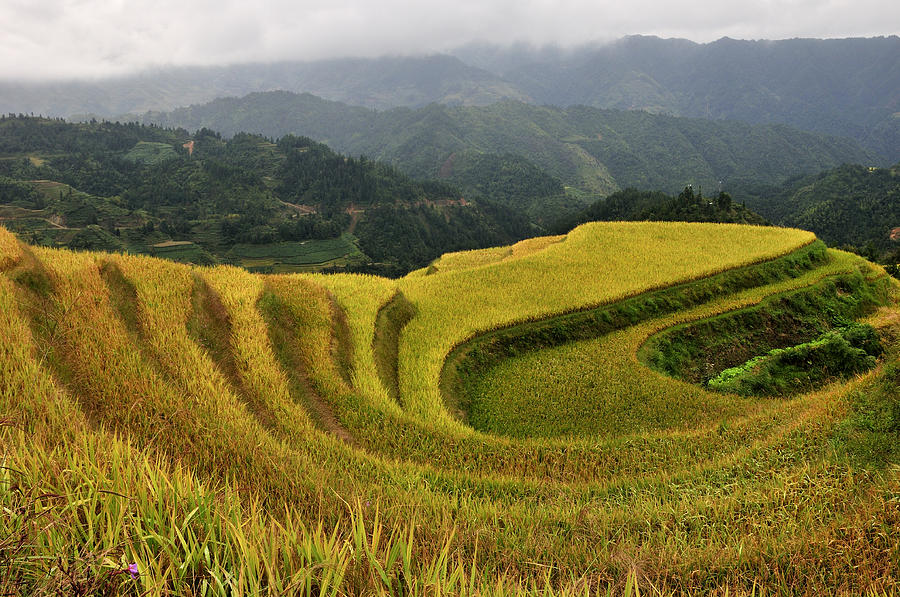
x=375, y=83
x=845, y=87
x=589, y=149
x=848, y=205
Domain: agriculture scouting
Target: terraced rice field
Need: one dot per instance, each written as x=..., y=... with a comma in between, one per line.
x=500, y=423
x=288, y=257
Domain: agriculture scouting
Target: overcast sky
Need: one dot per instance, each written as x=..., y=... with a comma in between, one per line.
x=77, y=38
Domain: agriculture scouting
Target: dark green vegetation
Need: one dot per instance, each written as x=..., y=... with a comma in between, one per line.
x=514, y=181
x=839, y=353
x=283, y=206
x=854, y=207
x=688, y=206
x=786, y=344
x=592, y=150
x=839, y=86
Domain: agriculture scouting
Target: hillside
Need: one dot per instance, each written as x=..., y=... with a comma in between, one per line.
x=848, y=205
x=169, y=429
x=593, y=150
x=289, y=205
x=844, y=87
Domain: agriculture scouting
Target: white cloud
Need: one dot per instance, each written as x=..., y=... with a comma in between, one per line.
x=53, y=38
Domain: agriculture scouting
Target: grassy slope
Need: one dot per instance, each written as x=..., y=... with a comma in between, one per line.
x=598, y=263
x=232, y=480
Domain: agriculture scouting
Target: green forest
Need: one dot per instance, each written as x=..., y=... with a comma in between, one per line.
x=293, y=204
x=853, y=207
x=592, y=150
x=200, y=198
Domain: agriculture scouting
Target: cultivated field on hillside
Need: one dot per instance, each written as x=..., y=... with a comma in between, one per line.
x=524, y=419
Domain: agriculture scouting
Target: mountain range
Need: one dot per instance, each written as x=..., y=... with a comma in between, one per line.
x=846, y=87
x=592, y=150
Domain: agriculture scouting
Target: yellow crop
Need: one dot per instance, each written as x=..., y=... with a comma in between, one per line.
x=9, y=249
x=597, y=263
x=222, y=432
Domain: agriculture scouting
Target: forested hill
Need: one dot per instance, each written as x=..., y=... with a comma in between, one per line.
x=594, y=150
x=272, y=205
x=849, y=205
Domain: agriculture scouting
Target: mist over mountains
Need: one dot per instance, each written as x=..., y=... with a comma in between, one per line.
x=846, y=87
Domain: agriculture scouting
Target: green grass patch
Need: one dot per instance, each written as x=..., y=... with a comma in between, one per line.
x=146, y=152
x=699, y=351
x=183, y=253
x=268, y=258
x=842, y=352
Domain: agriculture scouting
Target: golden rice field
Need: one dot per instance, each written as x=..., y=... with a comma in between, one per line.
x=490, y=425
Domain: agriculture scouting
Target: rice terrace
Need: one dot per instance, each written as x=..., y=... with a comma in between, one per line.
x=628, y=409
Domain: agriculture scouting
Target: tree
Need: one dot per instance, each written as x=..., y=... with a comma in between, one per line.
x=724, y=200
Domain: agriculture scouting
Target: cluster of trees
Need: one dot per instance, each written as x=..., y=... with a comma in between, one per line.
x=853, y=207
x=19, y=193
x=513, y=181
x=402, y=238
x=311, y=173
x=687, y=206
x=28, y=134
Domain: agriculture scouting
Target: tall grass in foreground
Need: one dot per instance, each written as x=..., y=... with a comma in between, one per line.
x=156, y=439
x=118, y=522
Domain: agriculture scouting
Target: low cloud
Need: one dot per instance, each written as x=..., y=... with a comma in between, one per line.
x=90, y=38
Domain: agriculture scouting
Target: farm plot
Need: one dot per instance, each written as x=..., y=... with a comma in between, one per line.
x=286, y=257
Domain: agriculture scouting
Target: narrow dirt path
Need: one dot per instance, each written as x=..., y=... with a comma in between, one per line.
x=354, y=212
